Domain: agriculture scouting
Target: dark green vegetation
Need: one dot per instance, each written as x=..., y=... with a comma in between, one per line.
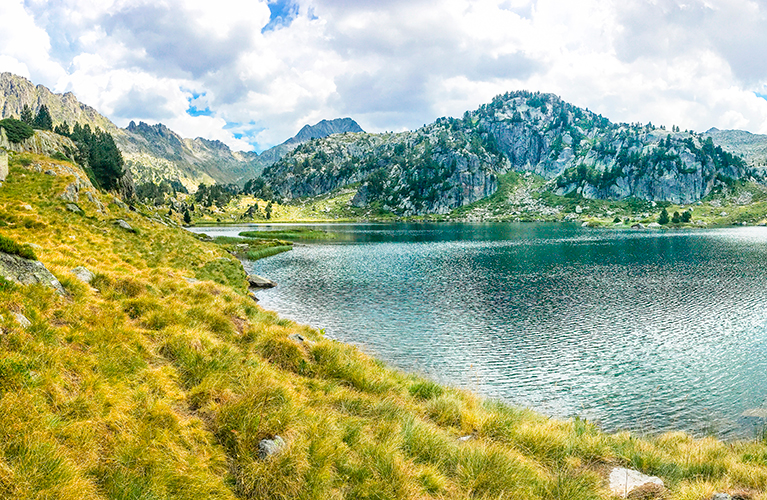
x=97, y=150
x=16, y=130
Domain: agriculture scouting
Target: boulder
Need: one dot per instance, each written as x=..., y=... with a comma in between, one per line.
x=269, y=447
x=83, y=274
x=3, y=165
x=124, y=225
x=74, y=209
x=22, y=320
x=27, y=272
x=653, y=225
x=255, y=281
x=70, y=193
x=117, y=201
x=623, y=481
x=300, y=339
x=638, y=225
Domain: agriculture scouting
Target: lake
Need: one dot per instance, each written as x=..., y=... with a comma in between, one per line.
x=633, y=329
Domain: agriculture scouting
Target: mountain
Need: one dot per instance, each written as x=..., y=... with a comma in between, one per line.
x=453, y=162
x=751, y=147
x=322, y=129
x=16, y=91
x=154, y=152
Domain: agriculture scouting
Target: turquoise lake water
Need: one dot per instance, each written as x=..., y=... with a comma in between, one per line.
x=641, y=330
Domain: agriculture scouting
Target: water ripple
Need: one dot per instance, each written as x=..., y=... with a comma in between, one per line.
x=637, y=330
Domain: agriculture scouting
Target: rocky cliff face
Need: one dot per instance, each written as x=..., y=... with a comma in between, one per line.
x=16, y=91
x=453, y=162
x=43, y=143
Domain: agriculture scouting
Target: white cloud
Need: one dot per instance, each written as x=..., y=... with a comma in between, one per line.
x=392, y=65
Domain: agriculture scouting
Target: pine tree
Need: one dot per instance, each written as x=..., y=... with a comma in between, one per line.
x=43, y=119
x=187, y=217
x=62, y=129
x=663, y=219
x=26, y=115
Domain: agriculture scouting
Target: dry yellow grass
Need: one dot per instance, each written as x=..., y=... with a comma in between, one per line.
x=147, y=386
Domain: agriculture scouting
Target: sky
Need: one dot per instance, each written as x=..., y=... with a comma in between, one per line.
x=251, y=73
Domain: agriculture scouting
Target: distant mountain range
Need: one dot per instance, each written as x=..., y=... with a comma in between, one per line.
x=155, y=152
x=441, y=166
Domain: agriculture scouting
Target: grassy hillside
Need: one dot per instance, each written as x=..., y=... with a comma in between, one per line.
x=148, y=384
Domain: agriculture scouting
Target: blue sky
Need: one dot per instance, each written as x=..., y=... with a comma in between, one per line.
x=252, y=73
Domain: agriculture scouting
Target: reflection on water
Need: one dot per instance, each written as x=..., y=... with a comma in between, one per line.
x=636, y=330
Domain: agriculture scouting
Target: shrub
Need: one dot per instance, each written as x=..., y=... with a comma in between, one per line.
x=16, y=130
x=7, y=245
x=663, y=218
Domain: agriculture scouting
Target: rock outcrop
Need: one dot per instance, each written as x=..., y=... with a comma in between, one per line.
x=454, y=162
x=623, y=481
x=43, y=142
x=255, y=281
x=3, y=165
x=27, y=272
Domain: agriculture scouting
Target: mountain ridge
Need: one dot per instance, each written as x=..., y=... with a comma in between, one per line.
x=454, y=162
x=155, y=153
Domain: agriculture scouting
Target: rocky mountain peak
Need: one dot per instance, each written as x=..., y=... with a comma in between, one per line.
x=325, y=128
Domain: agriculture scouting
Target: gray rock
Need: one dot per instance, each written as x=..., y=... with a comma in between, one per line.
x=463, y=439
x=755, y=413
x=191, y=281
x=125, y=225
x=3, y=165
x=27, y=272
x=269, y=447
x=721, y=496
x=253, y=296
x=70, y=193
x=83, y=274
x=74, y=209
x=26, y=207
x=578, y=209
x=117, y=201
x=623, y=481
x=300, y=339
x=653, y=225
x=255, y=281
x=22, y=320
x=638, y=225
x=297, y=337
x=50, y=172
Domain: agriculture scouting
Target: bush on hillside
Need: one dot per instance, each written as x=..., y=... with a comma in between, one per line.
x=16, y=130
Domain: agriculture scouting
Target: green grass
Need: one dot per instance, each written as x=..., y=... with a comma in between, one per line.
x=298, y=233
x=147, y=386
x=9, y=246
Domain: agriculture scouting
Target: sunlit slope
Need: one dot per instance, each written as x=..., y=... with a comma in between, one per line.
x=160, y=379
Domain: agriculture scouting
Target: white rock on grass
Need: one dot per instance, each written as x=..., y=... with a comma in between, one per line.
x=83, y=274
x=22, y=320
x=623, y=481
x=268, y=447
